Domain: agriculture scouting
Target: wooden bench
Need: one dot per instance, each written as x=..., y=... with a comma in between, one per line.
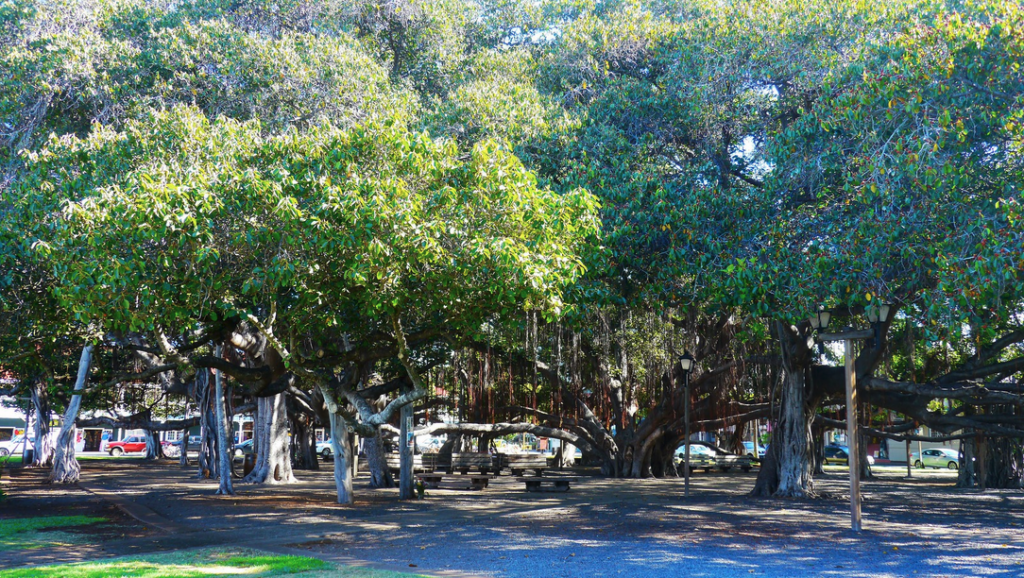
x=519, y=463
x=394, y=462
x=471, y=461
x=546, y=484
x=429, y=462
x=476, y=481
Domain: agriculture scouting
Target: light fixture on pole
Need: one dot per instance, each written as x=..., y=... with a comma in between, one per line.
x=848, y=336
x=819, y=322
x=686, y=364
x=876, y=317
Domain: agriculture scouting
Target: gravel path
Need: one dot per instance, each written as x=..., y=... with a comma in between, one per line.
x=920, y=527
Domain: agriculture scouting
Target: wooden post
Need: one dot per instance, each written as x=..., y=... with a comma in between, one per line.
x=852, y=438
x=405, y=482
x=909, y=460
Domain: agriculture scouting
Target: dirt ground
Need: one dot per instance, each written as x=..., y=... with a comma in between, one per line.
x=917, y=527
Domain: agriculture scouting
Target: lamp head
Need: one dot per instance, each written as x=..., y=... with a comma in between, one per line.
x=686, y=361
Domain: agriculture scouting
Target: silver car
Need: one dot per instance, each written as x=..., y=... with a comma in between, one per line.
x=937, y=458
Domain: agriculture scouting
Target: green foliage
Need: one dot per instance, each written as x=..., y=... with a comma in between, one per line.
x=177, y=220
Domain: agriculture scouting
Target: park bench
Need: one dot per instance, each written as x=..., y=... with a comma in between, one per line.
x=476, y=481
x=429, y=462
x=519, y=463
x=471, y=461
x=546, y=484
x=394, y=462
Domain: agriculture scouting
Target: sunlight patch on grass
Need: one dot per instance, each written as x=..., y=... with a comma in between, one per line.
x=201, y=563
x=27, y=533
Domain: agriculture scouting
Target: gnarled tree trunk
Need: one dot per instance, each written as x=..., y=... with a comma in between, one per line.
x=380, y=475
x=273, y=462
x=208, y=460
x=42, y=442
x=223, y=427
x=342, y=450
x=786, y=471
x=154, y=449
x=65, y=466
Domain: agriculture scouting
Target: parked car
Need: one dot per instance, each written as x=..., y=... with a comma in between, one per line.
x=242, y=449
x=128, y=445
x=937, y=458
x=193, y=442
x=324, y=449
x=13, y=445
x=840, y=455
x=707, y=456
x=701, y=456
x=749, y=446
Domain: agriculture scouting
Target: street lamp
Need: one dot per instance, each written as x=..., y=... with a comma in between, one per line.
x=686, y=364
x=876, y=317
x=819, y=322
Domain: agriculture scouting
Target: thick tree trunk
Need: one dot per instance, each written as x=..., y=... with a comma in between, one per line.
x=786, y=470
x=43, y=442
x=790, y=446
x=208, y=449
x=183, y=458
x=65, y=466
x=154, y=450
x=223, y=426
x=406, y=491
x=997, y=463
x=342, y=450
x=304, y=443
x=273, y=462
x=818, y=456
x=565, y=457
x=380, y=475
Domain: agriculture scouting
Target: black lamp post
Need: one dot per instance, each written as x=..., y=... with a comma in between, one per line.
x=686, y=364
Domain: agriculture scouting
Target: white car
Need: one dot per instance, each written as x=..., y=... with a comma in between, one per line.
x=937, y=458
x=324, y=449
x=14, y=445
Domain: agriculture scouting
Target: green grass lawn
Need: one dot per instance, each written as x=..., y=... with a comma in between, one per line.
x=28, y=533
x=201, y=563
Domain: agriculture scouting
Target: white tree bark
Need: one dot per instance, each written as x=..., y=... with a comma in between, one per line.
x=65, y=467
x=341, y=448
x=273, y=463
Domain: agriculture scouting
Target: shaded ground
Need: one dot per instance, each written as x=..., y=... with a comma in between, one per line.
x=917, y=527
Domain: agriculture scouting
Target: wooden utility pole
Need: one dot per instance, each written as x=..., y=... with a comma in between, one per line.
x=852, y=438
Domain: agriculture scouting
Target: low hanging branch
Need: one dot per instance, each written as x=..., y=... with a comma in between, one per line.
x=142, y=421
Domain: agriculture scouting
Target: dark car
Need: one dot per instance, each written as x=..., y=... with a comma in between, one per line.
x=193, y=441
x=242, y=449
x=841, y=455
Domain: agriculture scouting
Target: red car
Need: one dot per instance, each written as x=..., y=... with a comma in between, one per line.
x=129, y=444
